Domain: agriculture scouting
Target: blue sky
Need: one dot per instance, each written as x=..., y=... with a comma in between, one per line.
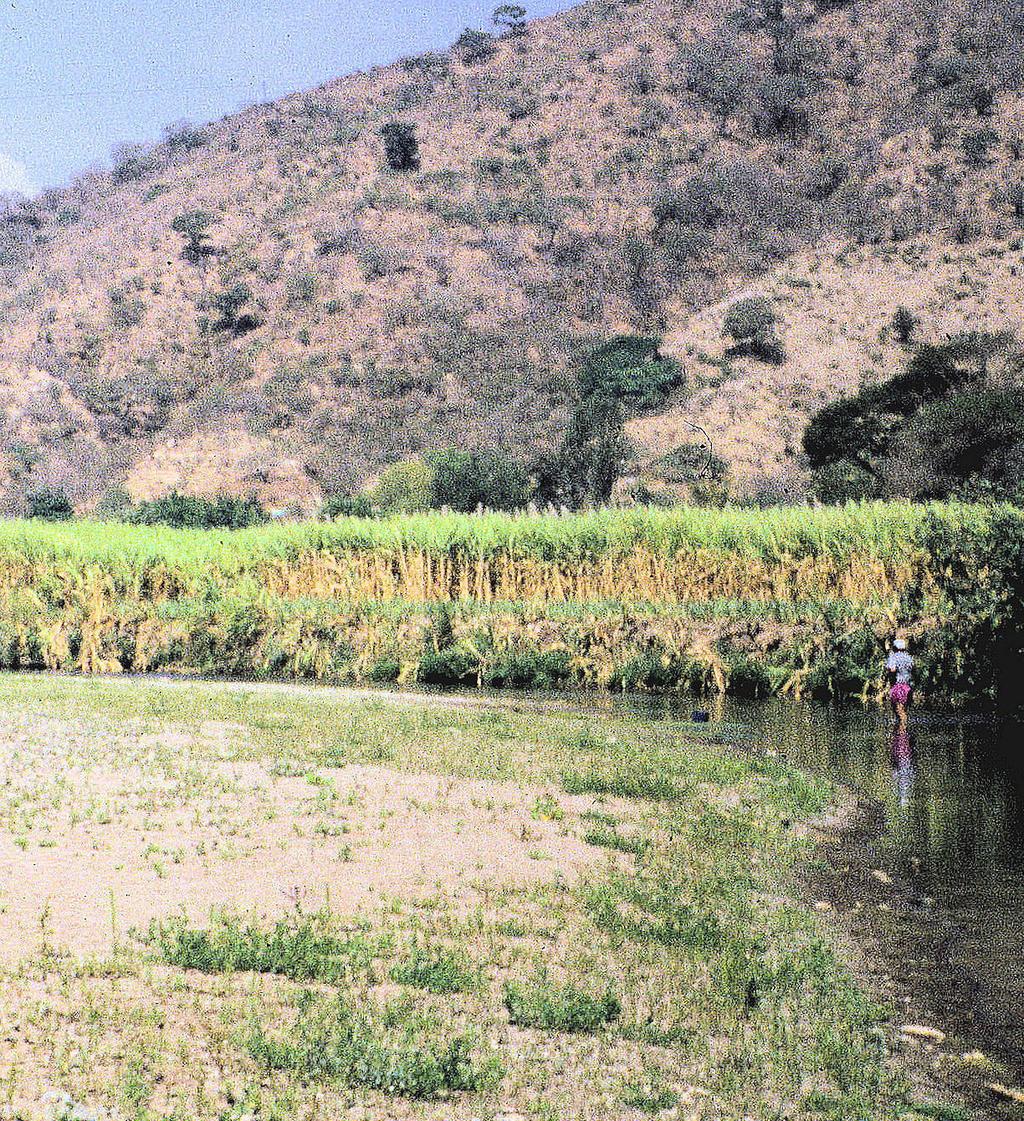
x=79, y=76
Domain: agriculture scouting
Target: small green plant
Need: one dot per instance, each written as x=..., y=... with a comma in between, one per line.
x=392, y=1049
x=543, y=1004
x=622, y=784
x=649, y=1099
x=546, y=808
x=611, y=839
x=436, y=969
x=304, y=948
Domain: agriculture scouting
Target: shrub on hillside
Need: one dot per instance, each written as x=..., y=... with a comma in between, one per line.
x=1015, y=198
x=131, y=162
x=718, y=71
x=401, y=147
x=184, y=137
x=194, y=225
x=474, y=46
x=404, y=487
x=465, y=480
x=904, y=324
x=233, y=306
x=751, y=325
x=185, y=511
x=346, y=506
x=49, y=504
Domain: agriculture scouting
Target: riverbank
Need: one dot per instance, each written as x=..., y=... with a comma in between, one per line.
x=540, y=914
x=902, y=948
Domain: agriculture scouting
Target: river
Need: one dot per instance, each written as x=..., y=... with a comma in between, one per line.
x=948, y=831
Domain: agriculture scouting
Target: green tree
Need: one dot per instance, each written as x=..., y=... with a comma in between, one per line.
x=194, y=225
x=465, y=480
x=401, y=147
x=404, y=487
x=510, y=19
x=954, y=419
x=594, y=450
x=631, y=369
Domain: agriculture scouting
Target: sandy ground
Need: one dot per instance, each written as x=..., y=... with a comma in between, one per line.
x=108, y=849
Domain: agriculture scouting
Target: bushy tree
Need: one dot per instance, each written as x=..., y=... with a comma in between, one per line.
x=778, y=108
x=131, y=162
x=465, y=480
x=977, y=145
x=751, y=325
x=625, y=375
x=718, y=70
x=194, y=226
x=404, y=487
x=631, y=369
x=510, y=19
x=948, y=422
x=594, y=451
x=401, y=146
x=474, y=46
x=49, y=504
x=183, y=136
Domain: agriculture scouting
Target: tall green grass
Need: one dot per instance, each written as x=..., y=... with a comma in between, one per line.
x=879, y=528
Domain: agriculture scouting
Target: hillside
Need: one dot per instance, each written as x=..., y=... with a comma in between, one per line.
x=618, y=168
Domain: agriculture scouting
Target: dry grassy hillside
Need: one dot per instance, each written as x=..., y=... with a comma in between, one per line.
x=621, y=167
x=835, y=308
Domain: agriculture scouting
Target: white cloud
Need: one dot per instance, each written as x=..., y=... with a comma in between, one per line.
x=14, y=176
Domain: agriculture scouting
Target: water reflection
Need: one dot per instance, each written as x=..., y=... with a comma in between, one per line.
x=902, y=765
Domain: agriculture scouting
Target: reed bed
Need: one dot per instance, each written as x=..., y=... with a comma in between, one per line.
x=860, y=551
x=645, y=598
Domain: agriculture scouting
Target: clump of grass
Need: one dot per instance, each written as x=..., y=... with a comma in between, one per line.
x=392, y=1049
x=622, y=784
x=611, y=839
x=565, y=1008
x=656, y=909
x=649, y=1099
x=303, y=948
x=436, y=969
x=512, y=928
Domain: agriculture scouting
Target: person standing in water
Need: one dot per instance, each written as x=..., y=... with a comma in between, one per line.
x=900, y=667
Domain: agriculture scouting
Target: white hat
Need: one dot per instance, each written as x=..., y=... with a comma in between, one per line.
x=899, y=644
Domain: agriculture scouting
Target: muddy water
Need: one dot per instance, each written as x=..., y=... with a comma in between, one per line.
x=948, y=831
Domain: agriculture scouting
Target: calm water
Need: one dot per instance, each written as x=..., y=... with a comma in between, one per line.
x=953, y=833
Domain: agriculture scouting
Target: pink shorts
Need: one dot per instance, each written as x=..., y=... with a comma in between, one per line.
x=899, y=694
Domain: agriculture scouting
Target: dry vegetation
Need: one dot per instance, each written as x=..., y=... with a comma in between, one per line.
x=620, y=167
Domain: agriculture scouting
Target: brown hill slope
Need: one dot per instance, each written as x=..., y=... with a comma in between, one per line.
x=621, y=167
